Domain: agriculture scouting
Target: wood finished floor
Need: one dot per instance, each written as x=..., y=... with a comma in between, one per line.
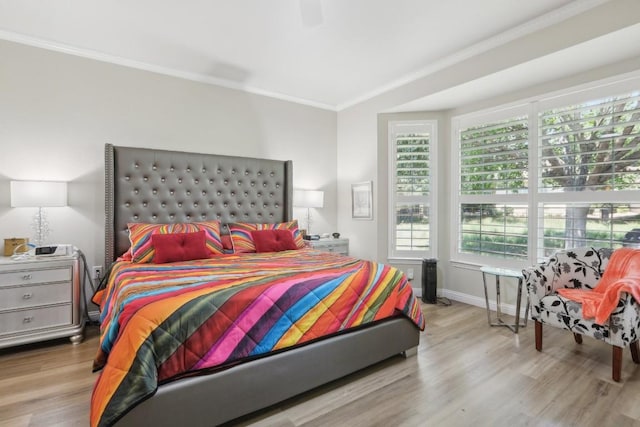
x=465, y=374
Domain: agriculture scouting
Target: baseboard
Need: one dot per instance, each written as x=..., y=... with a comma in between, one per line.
x=94, y=316
x=509, y=309
x=418, y=292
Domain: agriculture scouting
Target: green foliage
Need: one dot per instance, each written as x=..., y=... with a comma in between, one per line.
x=593, y=146
x=495, y=157
x=488, y=236
x=412, y=164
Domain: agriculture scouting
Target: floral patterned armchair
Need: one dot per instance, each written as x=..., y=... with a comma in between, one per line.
x=581, y=268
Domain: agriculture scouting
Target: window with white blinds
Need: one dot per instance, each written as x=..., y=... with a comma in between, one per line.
x=591, y=146
x=494, y=157
x=493, y=162
x=565, y=173
x=494, y=230
x=565, y=225
x=589, y=172
x=411, y=190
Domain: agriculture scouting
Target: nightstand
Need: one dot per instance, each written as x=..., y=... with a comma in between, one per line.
x=40, y=299
x=338, y=246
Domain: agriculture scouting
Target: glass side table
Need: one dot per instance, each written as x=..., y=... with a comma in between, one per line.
x=498, y=273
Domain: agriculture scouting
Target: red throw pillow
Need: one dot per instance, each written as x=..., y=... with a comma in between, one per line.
x=179, y=247
x=273, y=240
x=227, y=243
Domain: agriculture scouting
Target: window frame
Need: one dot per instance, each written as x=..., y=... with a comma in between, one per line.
x=534, y=199
x=431, y=125
x=458, y=124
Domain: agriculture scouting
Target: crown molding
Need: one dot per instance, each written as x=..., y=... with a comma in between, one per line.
x=570, y=10
x=112, y=59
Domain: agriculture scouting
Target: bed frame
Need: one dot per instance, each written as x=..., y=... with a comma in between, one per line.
x=156, y=186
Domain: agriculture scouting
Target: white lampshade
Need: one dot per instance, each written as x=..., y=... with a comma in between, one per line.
x=38, y=194
x=308, y=198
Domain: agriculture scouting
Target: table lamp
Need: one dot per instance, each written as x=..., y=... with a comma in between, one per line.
x=39, y=194
x=308, y=199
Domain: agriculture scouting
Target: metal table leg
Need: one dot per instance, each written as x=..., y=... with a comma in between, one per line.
x=517, y=324
x=486, y=297
x=499, y=321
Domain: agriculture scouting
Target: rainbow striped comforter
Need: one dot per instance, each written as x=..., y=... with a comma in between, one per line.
x=163, y=321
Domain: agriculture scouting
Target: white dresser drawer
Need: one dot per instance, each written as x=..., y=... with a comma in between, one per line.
x=30, y=296
x=27, y=277
x=13, y=322
x=337, y=248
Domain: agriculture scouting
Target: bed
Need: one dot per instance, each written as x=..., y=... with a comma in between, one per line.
x=167, y=187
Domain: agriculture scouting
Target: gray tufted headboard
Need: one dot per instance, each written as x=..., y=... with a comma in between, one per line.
x=159, y=186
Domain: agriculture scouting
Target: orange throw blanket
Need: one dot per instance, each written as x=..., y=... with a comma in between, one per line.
x=622, y=274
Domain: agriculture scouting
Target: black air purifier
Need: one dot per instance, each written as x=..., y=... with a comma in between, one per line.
x=429, y=280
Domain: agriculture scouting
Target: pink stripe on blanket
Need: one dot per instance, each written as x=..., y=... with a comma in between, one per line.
x=221, y=350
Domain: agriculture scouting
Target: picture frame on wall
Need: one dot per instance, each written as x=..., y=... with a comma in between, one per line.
x=362, y=200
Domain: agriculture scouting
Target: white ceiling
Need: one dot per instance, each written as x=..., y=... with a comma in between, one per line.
x=325, y=53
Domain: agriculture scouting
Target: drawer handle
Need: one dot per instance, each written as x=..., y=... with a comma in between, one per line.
x=26, y=277
x=27, y=319
x=28, y=295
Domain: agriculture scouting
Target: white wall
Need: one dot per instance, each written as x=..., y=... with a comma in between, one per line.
x=362, y=140
x=57, y=111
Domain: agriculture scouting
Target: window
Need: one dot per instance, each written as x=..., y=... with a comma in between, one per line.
x=494, y=230
x=590, y=146
x=411, y=192
x=588, y=224
x=589, y=169
x=494, y=157
x=559, y=173
x=493, y=165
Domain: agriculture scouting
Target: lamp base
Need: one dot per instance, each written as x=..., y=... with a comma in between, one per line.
x=40, y=227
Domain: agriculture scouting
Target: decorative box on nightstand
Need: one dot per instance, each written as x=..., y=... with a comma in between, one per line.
x=40, y=299
x=338, y=246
